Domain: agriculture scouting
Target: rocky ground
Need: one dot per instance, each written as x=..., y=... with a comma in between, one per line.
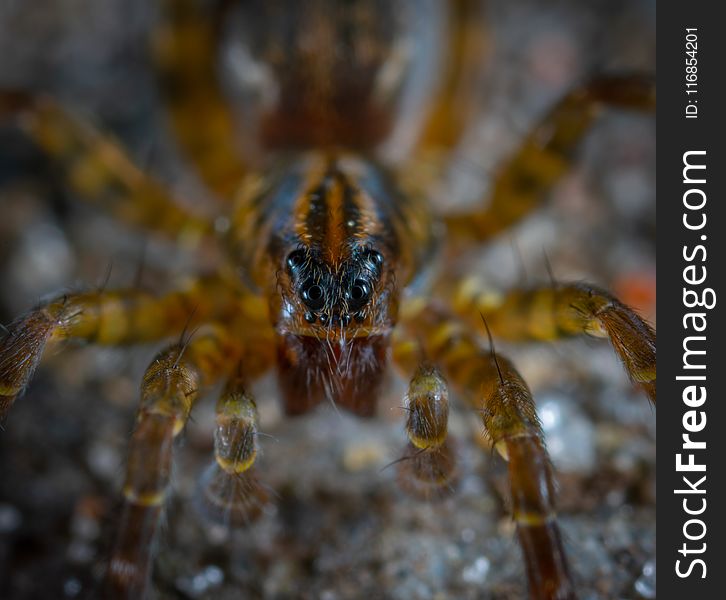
x=340, y=528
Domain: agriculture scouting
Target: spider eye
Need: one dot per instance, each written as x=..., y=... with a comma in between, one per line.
x=376, y=258
x=295, y=259
x=373, y=261
x=359, y=294
x=313, y=295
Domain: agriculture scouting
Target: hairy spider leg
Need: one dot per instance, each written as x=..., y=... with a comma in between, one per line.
x=428, y=467
x=99, y=171
x=230, y=492
x=565, y=310
x=106, y=318
x=545, y=154
x=496, y=391
x=455, y=102
x=185, y=51
x=168, y=391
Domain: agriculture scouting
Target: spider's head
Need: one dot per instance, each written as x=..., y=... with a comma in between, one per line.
x=334, y=299
x=333, y=323
x=329, y=253
x=350, y=298
x=331, y=241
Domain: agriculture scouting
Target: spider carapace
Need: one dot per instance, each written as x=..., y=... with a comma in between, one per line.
x=327, y=242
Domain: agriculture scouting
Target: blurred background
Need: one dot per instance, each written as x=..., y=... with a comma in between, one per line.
x=341, y=529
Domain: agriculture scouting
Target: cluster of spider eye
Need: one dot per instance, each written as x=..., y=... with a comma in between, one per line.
x=322, y=290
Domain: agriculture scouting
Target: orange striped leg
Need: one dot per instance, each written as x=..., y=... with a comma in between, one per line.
x=186, y=56
x=546, y=153
x=565, y=310
x=107, y=318
x=168, y=392
x=230, y=493
x=506, y=408
x=428, y=466
x=99, y=171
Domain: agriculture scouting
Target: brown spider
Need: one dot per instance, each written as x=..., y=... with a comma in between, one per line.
x=324, y=251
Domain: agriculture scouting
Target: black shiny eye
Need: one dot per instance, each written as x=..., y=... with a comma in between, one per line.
x=374, y=262
x=295, y=259
x=313, y=295
x=375, y=257
x=359, y=294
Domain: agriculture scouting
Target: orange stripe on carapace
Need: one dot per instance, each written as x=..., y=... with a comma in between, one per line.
x=307, y=202
x=334, y=243
x=333, y=214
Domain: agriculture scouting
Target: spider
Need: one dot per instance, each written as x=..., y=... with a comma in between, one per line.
x=325, y=253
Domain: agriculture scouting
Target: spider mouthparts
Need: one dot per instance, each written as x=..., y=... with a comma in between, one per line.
x=346, y=372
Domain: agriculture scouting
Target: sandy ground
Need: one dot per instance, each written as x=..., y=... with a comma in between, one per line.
x=340, y=528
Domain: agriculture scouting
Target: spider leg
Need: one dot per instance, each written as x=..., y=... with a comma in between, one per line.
x=230, y=493
x=497, y=392
x=565, y=310
x=545, y=154
x=455, y=102
x=428, y=467
x=99, y=171
x=106, y=318
x=186, y=57
x=168, y=392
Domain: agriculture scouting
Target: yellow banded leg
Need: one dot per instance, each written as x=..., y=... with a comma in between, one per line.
x=565, y=310
x=168, y=391
x=230, y=493
x=428, y=466
x=505, y=405
x=99, y=171
x=545, y=154
x=108, y=318
x=510, y=420
x=186, y=55
x=427, y=403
